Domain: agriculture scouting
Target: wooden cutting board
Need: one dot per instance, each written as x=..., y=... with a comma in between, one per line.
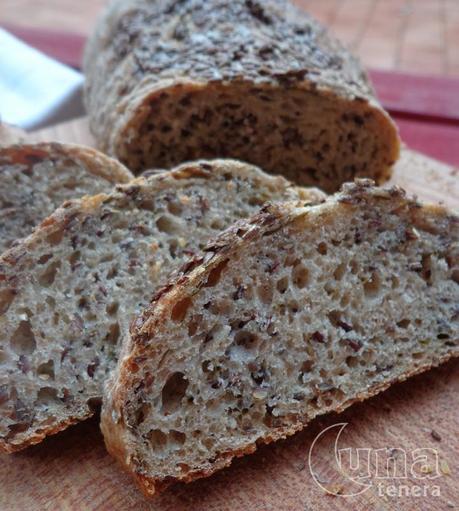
x=417, y=418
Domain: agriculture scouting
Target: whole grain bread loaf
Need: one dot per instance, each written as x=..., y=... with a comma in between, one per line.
x=10, y=134
x=169, y=81
x=69, y=291
x=37, y=178
x=297, y=312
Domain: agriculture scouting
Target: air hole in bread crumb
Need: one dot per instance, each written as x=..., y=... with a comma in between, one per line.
x=168, y=225
x=23, y=340
x=345, y=299
x=113, y=333
x=215, y=274
x=112, y=308
x=55, y=237
x=173, y=392
x=6, y=299
x=193, y=325
x=322, y=248
x=352, y=361
x=142, y=413
x=48, y=276
x=282, y=285
x=404, y=323
x=372, y=287
x=112, y=273
x=175, y=207
x=176, y=438
x=180, y=309
x=247, y=340
x=47, y=396
x=45, y=371
x=300, y=276
x=44, y=258
x=339, y=272
x=426, y=272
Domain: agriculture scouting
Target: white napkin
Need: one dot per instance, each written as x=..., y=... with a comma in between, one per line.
x=35, y=90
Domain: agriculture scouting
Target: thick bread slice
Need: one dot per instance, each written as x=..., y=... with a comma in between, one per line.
x=37, y=178
x=169, y=81
x=11, y=134
x=69, y=291
x=297, y=312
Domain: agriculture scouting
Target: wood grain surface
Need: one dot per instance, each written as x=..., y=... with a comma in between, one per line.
x=72, y=471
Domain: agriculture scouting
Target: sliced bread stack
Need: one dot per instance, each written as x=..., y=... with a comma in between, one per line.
x=69, y=291
x=37, y=178
x=299, y=311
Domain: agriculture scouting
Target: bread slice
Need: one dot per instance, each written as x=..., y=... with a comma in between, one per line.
x=37, y=178
x=295, y=313
x=69, y=291
x=170, y=81
x=10, y=134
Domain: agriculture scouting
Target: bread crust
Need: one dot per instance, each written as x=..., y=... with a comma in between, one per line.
x=142, y=51
x=119, y=438
x=94, y=161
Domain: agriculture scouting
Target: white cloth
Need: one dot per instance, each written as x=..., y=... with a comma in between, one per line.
x=35, y=90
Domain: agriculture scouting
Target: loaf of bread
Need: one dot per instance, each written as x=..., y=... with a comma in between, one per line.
x=297, y=312
x=10, y=134
x=37, y=178
x=169, y=81
x=69, y=291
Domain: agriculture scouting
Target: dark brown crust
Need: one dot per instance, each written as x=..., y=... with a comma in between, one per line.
x=189, y=280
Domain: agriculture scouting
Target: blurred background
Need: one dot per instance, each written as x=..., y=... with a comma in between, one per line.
x=405, y=35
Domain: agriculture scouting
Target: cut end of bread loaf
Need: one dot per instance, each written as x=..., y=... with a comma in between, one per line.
x=295, y=313
x=69, y=291
x=312, y=137
x=37, y=178
x=171, y=81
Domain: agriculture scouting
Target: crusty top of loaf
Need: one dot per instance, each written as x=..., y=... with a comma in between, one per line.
x=65, y=155
x=221, y=40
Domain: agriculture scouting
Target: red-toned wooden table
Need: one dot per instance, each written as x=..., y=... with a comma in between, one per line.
x=426, y=108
